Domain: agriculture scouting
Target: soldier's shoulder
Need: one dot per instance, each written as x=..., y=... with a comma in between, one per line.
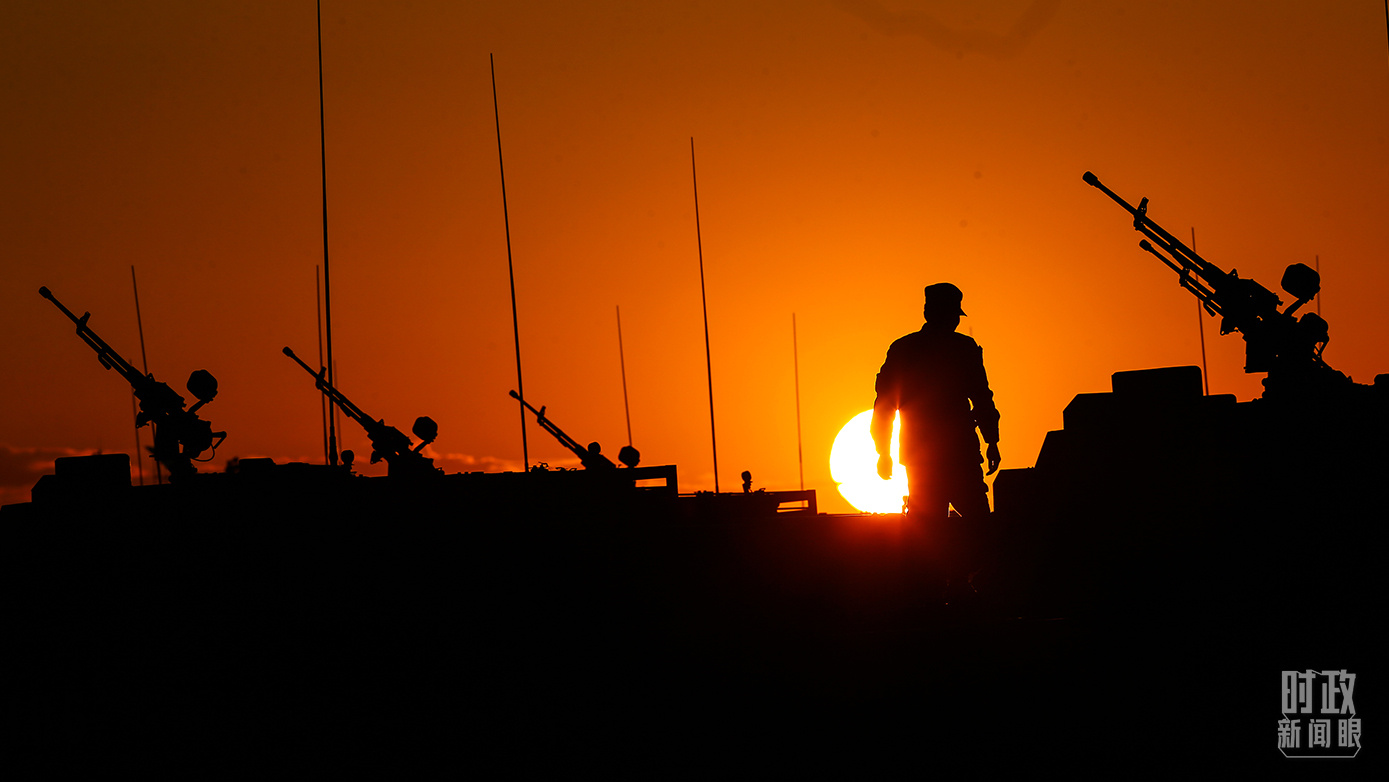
x=963, y=340
x=932, y=340
x=965, y=348
x=910, y=344
x=903, y=341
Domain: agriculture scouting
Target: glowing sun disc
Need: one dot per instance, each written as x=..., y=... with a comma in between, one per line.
x=854, y=466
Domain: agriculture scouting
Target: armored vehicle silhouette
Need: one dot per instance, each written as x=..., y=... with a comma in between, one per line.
x=1157, y=495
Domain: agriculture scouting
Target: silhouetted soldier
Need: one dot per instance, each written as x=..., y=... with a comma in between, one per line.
x=935, y=377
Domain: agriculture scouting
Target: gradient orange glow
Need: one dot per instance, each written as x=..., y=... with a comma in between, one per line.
x=849, y=154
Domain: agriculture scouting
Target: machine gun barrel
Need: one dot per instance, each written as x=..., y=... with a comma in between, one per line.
x=156, y=398
x=1185, y=256
x=1200, y=291
x=387, y=442
x=321, y=383
x=591, y=460
x=1275, y=342
x=1243, y=304
x=179, y=435
x=108, y=357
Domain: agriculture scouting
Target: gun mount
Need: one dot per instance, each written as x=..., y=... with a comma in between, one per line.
x=591, y=457
x=180, y=436
x=1285, y=346
x=387, y=442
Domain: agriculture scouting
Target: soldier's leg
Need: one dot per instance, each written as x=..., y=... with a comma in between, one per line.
x=926, y=520
x=927, y=502
x=969, y=495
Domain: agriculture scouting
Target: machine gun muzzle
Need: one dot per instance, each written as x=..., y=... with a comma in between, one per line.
x=1137, y=212
x=318, y=376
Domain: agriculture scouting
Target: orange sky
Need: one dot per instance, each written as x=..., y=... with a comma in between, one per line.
x=849, y=154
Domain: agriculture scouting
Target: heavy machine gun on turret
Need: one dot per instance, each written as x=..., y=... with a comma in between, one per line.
x=179, y=435
x=1287, y=347
x=1154, y=491
x=591, y=457
x=387, y=442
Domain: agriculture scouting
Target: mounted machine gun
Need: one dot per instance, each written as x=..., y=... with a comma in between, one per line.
x=591, y=457
x=179, y=435
x=1287, y=347
x=387, y=442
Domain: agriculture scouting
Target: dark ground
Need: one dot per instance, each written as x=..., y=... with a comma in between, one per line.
x=210, y=630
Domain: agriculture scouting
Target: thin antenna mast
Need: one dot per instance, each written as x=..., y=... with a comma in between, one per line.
x=323, y=398
x=327, y=288
x=510, y=270
x=623, y=363
x=334, y=412
x=704, y=302
x=139, y=452
x=796, y=364
x=1201, y=326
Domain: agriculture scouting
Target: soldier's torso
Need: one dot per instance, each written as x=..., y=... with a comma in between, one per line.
x=933, y=372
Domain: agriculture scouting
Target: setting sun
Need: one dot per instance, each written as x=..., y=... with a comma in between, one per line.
x=854, y=466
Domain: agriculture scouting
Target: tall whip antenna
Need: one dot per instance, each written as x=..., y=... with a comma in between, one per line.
x=623, y=363
x=323, y=398
x=704, y=302
x=510, y=270
x=333, y=411
x=139, y=452
x=327, y=295
x=796, y=364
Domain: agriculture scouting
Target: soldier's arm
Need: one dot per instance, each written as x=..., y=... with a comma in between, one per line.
x=985, y=413
x=885, y=405
x=982, y=399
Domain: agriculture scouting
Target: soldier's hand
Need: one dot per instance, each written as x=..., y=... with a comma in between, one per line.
x=885, y=467
x=993, y=457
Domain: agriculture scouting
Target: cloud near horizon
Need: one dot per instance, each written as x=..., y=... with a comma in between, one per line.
x=462, y=462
